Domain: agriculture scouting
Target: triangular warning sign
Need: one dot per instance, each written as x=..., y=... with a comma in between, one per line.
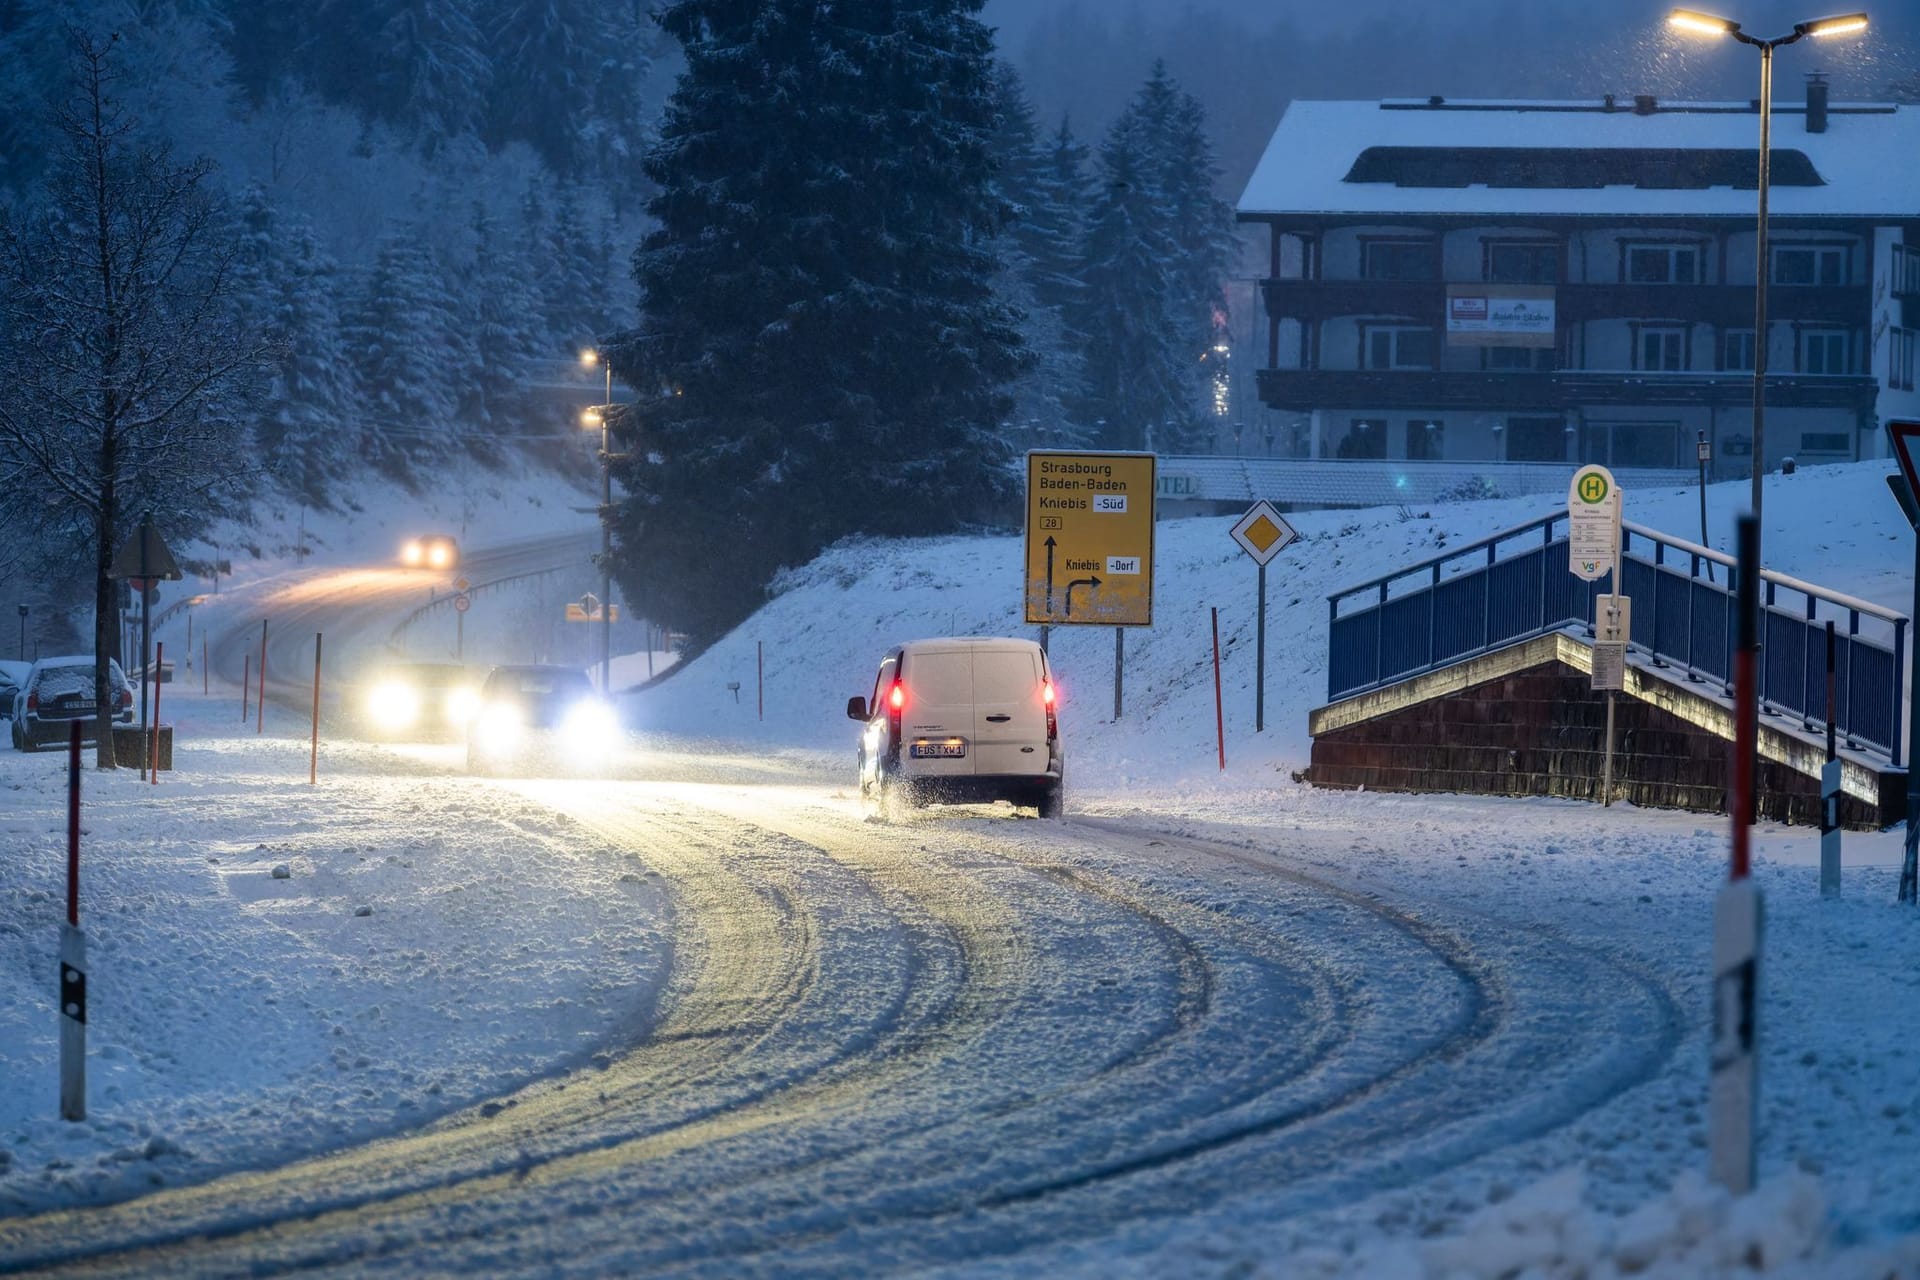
x=144, y=555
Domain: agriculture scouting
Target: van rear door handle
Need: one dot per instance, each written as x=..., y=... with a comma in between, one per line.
x=999, y=719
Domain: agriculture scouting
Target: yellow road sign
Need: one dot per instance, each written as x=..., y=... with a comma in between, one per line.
x=1090, y=539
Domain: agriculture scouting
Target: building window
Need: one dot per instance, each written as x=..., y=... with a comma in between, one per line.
x=1365, y=438
x=1824, y=442
x=1523, y=262
x=1661, y=350
x=1398, y=260
x=1823, y=351
x=1810, y=264
x=1517, y=359
x=1906, y=271
x=1739, y=350
x=1398, y=346
x=1646, y=444
x=1426, y=439
x=1536, y=440
x=1900, y=349
x=1663, y=264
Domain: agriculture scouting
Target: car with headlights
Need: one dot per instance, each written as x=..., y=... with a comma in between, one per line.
x=957, y=721
x=59, y=691
x=419, y=701
x=430, y=551
x=541, y=720
x=12, y=676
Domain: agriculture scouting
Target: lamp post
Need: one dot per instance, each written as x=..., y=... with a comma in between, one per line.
x=1707, y=24
x=598, y=418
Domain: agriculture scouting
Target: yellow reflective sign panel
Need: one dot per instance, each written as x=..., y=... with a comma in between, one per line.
x=1090, y=539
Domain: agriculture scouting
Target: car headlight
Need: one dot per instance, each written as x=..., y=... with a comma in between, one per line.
x=439, y=555
x=591, y=725
x=412, y=554
x=393, y=705
x=497, y=727
x=461, y=705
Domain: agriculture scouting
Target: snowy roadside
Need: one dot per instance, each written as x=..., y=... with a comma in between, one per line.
x=241, y=1020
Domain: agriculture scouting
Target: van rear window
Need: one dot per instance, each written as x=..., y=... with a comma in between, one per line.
x=940, y=679
x=1004, y=673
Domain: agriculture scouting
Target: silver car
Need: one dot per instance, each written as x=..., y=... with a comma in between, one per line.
x=59, y=691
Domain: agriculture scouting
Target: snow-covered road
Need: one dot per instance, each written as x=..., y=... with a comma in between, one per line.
x=964, y=1037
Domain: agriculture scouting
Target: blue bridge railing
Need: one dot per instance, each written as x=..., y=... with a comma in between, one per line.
x=1517, y=584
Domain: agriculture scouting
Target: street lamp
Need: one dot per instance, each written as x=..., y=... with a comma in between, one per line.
x=1708, y=24
x=589, y=419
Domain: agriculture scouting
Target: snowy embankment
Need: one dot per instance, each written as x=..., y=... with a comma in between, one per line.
x=242, y=1019
x=276, y=969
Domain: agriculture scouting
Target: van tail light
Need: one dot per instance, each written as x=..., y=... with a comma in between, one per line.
x=1049, y=698
x=896, y=703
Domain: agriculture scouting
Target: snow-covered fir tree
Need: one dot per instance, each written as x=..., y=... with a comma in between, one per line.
x=822, y=319
x=407, y=342
x=1155, y=203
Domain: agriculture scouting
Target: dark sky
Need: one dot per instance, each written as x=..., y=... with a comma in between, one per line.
x=1245, y=59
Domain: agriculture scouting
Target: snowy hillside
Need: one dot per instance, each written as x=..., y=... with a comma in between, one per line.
x=826, y=631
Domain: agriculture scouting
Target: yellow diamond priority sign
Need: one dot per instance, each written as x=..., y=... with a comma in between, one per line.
x=1090, y=539
x=1263, y=532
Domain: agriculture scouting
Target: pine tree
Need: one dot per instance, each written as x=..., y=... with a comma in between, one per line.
x=1158, y=206
x=404, y=340
x=305, y=431
x=1139, y=386
x=823, y=317
x=1036, y=250
x=504, y=316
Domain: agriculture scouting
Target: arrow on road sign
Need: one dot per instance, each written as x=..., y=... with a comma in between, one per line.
x=1049, y=545
x=1078, y=582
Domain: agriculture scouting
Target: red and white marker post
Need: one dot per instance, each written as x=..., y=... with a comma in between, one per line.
x=260, y=707
x=73, y=957
x=313, y=759
x=1733, y=1085
x=153, y=740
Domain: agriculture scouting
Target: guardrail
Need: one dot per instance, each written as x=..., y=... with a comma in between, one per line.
x=1517, y=584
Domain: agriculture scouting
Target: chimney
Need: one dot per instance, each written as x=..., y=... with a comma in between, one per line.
x=1645, y=104
x=1816, y=102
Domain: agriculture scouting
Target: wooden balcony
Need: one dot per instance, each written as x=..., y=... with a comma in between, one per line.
x=1728, y=306
x=1303, y=390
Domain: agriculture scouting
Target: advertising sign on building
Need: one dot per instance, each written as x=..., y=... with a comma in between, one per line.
x=1500, y=315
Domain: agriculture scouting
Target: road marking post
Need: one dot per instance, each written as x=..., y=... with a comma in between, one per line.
x=313, y=757
x=1219, y=710
x=759, y=679
x=73, y=957
x=260, y=706
x=246, y=686
x=153, y=739
x=1119, y=667
x=206, y=676
x=1733, y=1083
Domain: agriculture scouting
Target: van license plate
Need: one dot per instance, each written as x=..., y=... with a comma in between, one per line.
x=939, y=750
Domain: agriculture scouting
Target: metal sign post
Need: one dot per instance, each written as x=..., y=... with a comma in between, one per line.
x=1906, y=443
x=1703, y=453
x=1262, y=533
x=1830, y=791
x=1594, y=505
x=1733, y=1073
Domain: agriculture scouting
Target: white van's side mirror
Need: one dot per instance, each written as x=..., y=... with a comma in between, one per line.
x=856, y=709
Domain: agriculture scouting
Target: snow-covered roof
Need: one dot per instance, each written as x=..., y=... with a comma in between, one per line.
x=1308, y=161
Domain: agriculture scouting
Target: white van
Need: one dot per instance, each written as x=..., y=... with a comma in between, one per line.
x=961, y=720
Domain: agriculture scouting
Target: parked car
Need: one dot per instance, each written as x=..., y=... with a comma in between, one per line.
x=411, y=701
x=58, y=691
x=961, y=720
x=12, y=676
x=541, y=720
x=431, y=551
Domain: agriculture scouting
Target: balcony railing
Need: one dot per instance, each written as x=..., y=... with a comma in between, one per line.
x=1306, y=389
x=1517, y=585
x=1725, y=305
